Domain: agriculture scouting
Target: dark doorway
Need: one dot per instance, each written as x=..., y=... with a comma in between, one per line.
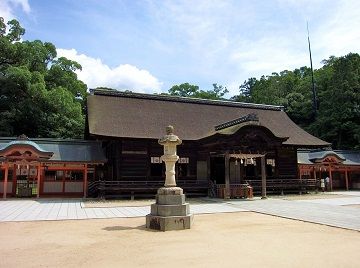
x=217, y=169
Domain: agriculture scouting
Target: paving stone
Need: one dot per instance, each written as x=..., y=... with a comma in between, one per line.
x=323, y=211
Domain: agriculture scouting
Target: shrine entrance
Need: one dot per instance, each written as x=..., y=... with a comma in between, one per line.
x=243, y=154
x=25, y=186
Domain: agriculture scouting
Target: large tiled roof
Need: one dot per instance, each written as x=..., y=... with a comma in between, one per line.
x=135, y=115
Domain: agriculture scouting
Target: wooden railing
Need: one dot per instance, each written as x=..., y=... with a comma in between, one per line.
x=284, y=185
x=194, y=187
x=105, y=189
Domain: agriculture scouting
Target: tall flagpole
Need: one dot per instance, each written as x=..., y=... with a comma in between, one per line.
x=312, y=76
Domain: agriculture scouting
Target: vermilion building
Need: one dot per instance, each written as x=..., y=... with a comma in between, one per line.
x=48, y=167
x=342, y=168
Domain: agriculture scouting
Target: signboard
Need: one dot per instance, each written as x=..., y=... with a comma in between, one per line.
x=155, y=160
x=184, y=160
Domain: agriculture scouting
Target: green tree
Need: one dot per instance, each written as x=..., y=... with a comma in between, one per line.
x=338, y=92
x=40, y=95
x=338, y=118
x=184, y=90
x=246, y=90
x=193, y=91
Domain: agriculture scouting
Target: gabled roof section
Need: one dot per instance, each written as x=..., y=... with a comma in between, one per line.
x=346, y=157
x=23, y=143
x=65, y=150
x=320, y=156
x=247, y=118
x=135, y=115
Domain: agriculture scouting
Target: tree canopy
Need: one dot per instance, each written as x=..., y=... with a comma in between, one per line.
x=338, y=96
x=40, y=95
x=193, y=91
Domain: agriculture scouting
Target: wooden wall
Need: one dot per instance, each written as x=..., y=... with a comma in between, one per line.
x=129, y=159
x=287, y=162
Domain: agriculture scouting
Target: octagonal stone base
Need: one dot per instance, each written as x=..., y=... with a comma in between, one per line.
x=170, y=212
x=169, y=223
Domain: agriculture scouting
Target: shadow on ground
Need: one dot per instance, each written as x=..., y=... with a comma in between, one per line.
x=124, y=228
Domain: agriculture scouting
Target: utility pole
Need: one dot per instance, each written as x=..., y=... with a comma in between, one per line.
x=312, y=76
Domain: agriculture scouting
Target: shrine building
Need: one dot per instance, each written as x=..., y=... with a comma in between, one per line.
x=226, y=144
x=227, y=148
x=48, y=167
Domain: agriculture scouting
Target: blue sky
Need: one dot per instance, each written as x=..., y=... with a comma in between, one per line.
x=148, y=45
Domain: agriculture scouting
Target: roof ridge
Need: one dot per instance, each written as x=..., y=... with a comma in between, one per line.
x=49, y=140
x=184, y=99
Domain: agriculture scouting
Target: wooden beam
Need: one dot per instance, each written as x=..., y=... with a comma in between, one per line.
x=346, y=180
x=6, y=179
x=85, y=181
x=331, y=179
x=314, y=173
x=227, y=176
x=38, y=180
x=263, y=178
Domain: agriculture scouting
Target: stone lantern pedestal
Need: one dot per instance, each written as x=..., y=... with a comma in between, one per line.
x=170, y=212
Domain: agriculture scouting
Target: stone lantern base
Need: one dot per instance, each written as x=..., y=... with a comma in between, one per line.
x=170, y=212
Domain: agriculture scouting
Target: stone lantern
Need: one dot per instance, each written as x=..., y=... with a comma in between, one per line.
x=170, y=141
x=170, y=212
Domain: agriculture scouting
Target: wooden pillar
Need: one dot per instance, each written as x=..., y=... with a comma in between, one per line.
x=6, y=179
x=208, y=164
x=263, y=178
x=38, y=180
x=85, y=181
x=314, y=172
x=346, y=179
x=227, y=176
x=13, y=191
x=330, y=177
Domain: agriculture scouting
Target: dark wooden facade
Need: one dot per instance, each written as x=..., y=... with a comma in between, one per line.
x=225, y=143
x=130, y=159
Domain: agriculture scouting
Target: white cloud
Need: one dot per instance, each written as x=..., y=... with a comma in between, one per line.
x=7, y=8
x=125, y=76
x=340, y=34
x=236, y=40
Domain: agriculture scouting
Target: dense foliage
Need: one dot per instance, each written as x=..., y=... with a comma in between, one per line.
x=40, y=95
x=337, y=119
x=193, y=91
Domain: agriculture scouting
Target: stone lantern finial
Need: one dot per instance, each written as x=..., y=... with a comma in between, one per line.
x=169, y=130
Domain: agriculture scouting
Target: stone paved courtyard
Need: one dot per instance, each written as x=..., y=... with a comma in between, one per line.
x=330, y=211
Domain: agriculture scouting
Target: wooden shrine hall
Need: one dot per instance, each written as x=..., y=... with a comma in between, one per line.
x=342, y=168
x=48, y=167
x=228, y=147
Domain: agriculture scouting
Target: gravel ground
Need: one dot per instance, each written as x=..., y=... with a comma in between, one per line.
x=244, y=239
